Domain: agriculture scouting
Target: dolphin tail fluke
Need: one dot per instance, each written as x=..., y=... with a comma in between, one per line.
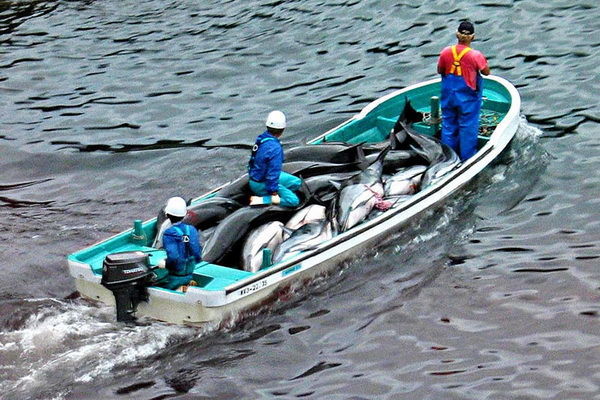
x=408, y=116
x=305, y=195
x=381, y=155
x=363, y=162
x=287, y=232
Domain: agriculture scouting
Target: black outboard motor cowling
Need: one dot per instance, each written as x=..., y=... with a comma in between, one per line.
x=127, y=275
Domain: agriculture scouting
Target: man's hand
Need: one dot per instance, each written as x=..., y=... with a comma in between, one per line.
x=162, y=263
x=275, y=199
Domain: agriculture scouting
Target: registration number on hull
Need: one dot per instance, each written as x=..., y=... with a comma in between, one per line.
x=253, y=288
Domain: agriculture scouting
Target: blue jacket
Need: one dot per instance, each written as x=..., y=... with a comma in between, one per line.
x=266, y=161
x=181, y=254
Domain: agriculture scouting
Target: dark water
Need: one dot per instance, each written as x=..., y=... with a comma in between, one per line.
x=110, y=107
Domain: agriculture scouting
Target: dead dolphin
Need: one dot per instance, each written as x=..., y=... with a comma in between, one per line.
x=306, y=237
x=427, y=147
x=359, y=196
x=310, y=213
x=338, y=153
x=162, y=224
x=375, y=148
x=356, y=202
x=405, y=181
x=440, y=158
x=435, y=172
x=396, y=159
x=209, y=212
x=306, y=169
x=323, y=188
x=232, y=230
x=237, y=190
x=266, y=236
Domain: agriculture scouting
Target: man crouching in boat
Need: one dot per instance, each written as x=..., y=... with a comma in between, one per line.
x=462, y=87
x=268, y=183
x=181, y=243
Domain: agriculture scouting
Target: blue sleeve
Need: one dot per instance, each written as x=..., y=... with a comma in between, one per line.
x=274, y=161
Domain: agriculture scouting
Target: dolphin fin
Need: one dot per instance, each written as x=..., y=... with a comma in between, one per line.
x=287, y=232
x=407, y=116
x=335, y=184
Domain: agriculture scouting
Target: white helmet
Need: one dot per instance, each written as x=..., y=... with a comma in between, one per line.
x=176, y=207
x=276, y=120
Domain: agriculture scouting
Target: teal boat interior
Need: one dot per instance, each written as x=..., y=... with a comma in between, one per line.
x=374, y=127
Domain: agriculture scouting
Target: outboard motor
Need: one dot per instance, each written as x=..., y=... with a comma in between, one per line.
x=127, y=275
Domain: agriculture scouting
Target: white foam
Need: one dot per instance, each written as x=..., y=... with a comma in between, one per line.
x=76, y=339
x=525, y=130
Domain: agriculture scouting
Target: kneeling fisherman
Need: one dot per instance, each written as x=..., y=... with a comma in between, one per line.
x=268, y=182
x=182, y=245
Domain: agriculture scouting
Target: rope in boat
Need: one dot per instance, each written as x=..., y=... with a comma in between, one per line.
x=488, y=121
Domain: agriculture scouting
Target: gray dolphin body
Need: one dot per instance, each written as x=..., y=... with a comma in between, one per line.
x=227, y=236
x=375, y=148
x=237, y=190
x=447, y=163
x=440, y=158
x=311, y=213
x=323, y=188
x=356, y=202
x=205, y=235
x=339, y=153
x=306, y=169
x=209, y=212
x=162, y=224
x=266, y=236
x=357, y=198
x=405, y=181
x=396, y=159
x=407, y=116
x=306, y=237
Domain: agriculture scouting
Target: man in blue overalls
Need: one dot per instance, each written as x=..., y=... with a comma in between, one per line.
x=268, y=183
x=182, y=246
x=462, y=87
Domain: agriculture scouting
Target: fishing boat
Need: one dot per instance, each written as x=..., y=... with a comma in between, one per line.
x=223, y=291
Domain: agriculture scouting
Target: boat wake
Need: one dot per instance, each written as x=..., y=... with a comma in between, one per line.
x=510, y=181
x=73, y=342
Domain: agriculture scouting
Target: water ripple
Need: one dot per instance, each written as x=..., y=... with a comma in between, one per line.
x=109, y=108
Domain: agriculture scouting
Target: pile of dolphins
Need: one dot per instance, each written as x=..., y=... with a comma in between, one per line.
x=344, y=185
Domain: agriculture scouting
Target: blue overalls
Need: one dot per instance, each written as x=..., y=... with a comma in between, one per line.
x=266, y=176
x=183, y=252
x=460, y=109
